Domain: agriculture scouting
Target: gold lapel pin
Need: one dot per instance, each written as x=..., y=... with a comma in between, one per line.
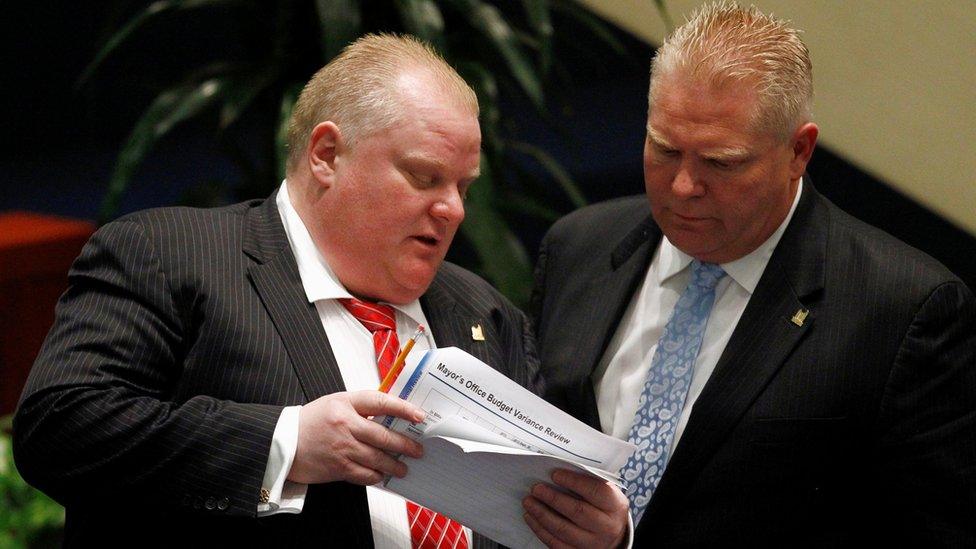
x=800, y=316
x=477, y=333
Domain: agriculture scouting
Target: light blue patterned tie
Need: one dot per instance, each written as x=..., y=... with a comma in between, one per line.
x=663, y=396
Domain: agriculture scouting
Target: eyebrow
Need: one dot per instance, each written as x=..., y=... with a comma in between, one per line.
x=731, y=154
x=657, y=138
x=723, y=153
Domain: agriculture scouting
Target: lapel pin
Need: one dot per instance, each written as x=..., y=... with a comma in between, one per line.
x=800, y=316
x=477, y=333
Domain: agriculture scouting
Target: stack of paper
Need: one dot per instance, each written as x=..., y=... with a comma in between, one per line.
x=487, y=441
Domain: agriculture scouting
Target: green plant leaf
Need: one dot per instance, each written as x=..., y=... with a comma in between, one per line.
x=340, y=22
x=288, y=99
x=502, y=257
x=491, y=24
x=152, y=11
x=596, y=26
x=662, y=10
x=485, y=86
x=25, y=512
x=539, y=17
x=168, y=109
x=423, y=19
x=555, y=169
x=240, y=92
x=527, y=206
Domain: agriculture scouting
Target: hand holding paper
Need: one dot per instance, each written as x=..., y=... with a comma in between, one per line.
x=337, y=442
x=593, y=514
x=488, y=441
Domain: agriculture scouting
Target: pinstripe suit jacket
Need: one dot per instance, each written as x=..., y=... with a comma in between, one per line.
x=856, y=427
x=150, y=410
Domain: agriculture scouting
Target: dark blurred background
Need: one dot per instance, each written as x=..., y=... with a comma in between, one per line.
x=61, y=141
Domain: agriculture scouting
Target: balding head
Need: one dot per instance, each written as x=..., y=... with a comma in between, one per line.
x=360, y=90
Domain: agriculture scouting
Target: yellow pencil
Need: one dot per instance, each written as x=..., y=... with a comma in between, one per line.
x=400, y=360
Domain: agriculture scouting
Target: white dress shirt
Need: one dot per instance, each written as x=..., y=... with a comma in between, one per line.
x=352, y=345
x=620, y=375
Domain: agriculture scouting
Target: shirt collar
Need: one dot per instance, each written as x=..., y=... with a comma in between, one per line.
x=746, y=271
x=318, y=279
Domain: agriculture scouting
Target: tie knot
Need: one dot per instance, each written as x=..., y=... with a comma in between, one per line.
x=706, y=275
x=373, y=316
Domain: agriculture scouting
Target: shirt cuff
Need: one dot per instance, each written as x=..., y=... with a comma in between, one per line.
x=628, y=542
x=278, y=494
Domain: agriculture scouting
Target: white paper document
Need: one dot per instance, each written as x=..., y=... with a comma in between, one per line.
x=487, y=440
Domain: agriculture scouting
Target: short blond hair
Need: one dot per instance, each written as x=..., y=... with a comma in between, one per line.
x=724, y=43
x=357, y=89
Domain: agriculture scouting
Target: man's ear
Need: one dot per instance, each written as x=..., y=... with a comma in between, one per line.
x=802, y=144
x=323, y=146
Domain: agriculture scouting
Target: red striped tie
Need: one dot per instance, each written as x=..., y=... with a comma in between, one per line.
x=428, y=530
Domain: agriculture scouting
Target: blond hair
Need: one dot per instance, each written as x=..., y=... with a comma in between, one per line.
x=357, y=89
x=723, y=43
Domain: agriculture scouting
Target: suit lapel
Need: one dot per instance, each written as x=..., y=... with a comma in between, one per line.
x=445, y=324
x=451, y=322
x=275, y=278
x=603, y=303
x=608, y=294
x=760, y=344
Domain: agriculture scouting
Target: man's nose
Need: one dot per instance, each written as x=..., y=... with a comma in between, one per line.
x=449, y=206
x=686, y=182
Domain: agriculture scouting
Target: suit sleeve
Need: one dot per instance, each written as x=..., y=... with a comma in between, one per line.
x=928, y=424
x=96, y=417
x=538, y=298
x=530, y=356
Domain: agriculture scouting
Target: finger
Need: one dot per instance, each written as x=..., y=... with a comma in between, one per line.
x=595, y=491
x=358, y=474
x=375, y=403
x=578, y=512
x=544, y=535
x=377, y=436
x=380, y=461
x=561, y=528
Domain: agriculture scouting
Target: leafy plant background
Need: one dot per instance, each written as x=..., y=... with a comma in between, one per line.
x=506, y=50
x=252, y=58
x=28, y=518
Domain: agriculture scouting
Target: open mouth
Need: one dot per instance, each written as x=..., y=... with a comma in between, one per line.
x=428, y=240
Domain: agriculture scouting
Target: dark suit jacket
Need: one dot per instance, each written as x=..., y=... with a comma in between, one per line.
x=150, y=410
x=855, y=428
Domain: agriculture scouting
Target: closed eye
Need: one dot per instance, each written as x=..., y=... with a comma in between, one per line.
x=665, y=151
x=727, y=163
x=422, y=181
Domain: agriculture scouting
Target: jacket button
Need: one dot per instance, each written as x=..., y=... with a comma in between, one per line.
x=211, y=504
x=223, y=504
x=197, y=502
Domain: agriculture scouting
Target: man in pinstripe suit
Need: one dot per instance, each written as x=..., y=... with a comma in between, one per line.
x=188, y=393
x=832, y=399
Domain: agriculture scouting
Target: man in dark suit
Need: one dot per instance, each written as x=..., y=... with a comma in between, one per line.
x=210, y=374
x=792, y=376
